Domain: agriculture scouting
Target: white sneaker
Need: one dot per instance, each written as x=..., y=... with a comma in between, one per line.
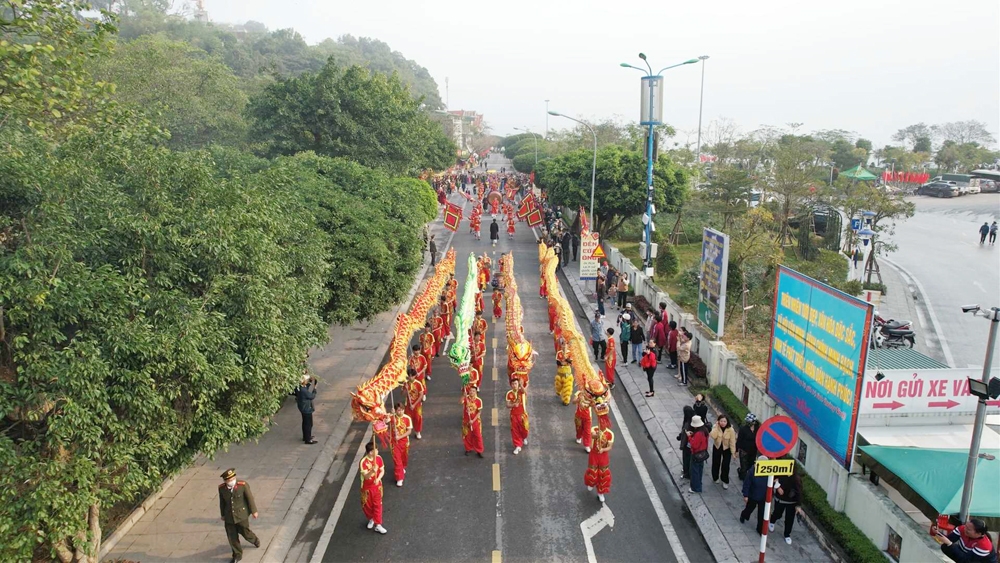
x=419, y=437
x=770, y=527
x=579, y=440
x=525, y=441
x=587, y=449
x=590, y=488
x=380, y=529
x=399, y=483
x=788, y=541
x=371, y=524
x=517, y=451
x=725, y=486
x=600, y=497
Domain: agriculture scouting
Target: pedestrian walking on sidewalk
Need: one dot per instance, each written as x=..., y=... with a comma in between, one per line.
x=648, y=364
x=601, y=293
x=754, y=495
x=372, y=469
x=622, y=290
x=433, y=247
x=786, y=503
x=597, y=337
x=625, y=330
x=236, y=505
x=304, y=396
x=683, y=439
x=660, y=337
x=683, y=354
x=637, y=338
x=672, y=345
x=993, y=233
x=698, y=443
x=724, y=441
x=746, y=444
x=983, y=231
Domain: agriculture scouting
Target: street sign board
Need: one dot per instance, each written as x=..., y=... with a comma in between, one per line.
x=589, y=242
x=774, y=467
x=599, y=253
x=712, y=284
x=920, y=391
x=819, y=340
x=777, y=436
x=855, y=224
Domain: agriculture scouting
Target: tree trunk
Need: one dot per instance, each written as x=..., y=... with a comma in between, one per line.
x=80, y=553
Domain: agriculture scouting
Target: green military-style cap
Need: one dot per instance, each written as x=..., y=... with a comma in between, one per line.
x=229, y=474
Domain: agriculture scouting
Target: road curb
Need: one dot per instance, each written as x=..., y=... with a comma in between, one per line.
x=721, y=551
x=126, y=525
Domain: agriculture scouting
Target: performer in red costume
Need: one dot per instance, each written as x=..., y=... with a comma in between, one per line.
x=418, y=362
x=402, y=426
x=582, y=419
x=472, y=424
x=598, y=469
x=428, y=345
x=497, y=298
x=517, y=402
x=416, y=394
x=610, y=359
x=372, y=470
x=510, y=228
x=552, y=317
x=437, y=324
x=542, y=290
x=479, y=326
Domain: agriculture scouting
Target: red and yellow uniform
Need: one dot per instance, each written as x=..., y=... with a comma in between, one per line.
x=402, y=425
x=564, y=375
x=517, y=402
x=472, y=424
x=552, y=316
x=582, y=419
x=371, y=470
x=478, y=354
x=479, y=327
x=610, y=360
x=497, y=299
x=510, y=226
x=415, y=393
x=447, y=311
x=475, y=376
x=598, y=463
x=542, y=290
x=483, y=277
x=437, y=326
x=428, y=347
x=419, y=363
x=479, y=302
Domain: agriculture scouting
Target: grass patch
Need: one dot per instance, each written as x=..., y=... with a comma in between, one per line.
x=688, y=255
x=836, y=525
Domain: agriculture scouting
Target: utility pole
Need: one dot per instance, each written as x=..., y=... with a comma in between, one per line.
x=546, y=119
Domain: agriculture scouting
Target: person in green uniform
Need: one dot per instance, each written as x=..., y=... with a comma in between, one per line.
x=237, y=506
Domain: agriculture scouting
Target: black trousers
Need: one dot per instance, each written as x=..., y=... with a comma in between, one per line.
x=788, y=510
x=721, y=457
x=600, y=349
x=746, y=463
x=673, y=358
x=233, y=533
x=683, y=370
x=748, y=510
x=307, y=426
x=625, y=346
x=686, y=462
x=649, y=377
x=434, y=257
x=622, y=299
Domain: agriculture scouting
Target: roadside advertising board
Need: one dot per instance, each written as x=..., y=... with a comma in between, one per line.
x=928, y=391
x=819, y=342
x=712, y=285
x=589, y=263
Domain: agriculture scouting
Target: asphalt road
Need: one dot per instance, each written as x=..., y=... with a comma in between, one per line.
x=939, y=248
x=448, y=508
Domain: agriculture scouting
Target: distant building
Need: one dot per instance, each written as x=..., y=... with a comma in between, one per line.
x=467, y=124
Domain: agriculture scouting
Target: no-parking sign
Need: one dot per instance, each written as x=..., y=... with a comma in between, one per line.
x=777, y=436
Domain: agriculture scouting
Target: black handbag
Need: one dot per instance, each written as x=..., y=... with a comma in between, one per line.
x=700, y=456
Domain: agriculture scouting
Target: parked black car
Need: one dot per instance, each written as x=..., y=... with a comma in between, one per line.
x=938, y=189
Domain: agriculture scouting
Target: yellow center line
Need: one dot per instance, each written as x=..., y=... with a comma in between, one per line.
x=496, y=476
x=496, y=556
x=494, y=374
x=495, y=416
x=494, y=342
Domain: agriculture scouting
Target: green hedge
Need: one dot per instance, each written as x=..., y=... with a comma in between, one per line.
x=837, y=525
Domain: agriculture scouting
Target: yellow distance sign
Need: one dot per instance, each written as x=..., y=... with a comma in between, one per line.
x=776, y=467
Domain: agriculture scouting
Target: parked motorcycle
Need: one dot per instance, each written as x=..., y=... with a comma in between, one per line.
x=890, y=333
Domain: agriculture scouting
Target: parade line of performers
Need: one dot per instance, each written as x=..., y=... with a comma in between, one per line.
x=435, y=315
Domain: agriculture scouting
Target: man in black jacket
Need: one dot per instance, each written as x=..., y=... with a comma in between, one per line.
x=494, y=232
x=304, y=396
x=746, y=444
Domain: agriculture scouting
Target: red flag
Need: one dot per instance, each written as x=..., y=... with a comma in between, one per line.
x=584, y=221
x=535, y=217
x=452, y=217
x=527, y=206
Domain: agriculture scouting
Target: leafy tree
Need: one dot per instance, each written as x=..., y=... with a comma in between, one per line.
x=667, y=263
x=728, y=193
x=912, y=133
x=953, y=156
x=795, y=168
x=845, y=155
x=753, y=253
x=863, y=144
x=888, y=208
x=964, y=132
x=149, y=310
x=351, y=113
x=922, y=144
x=193, y=95
x=806, y=247
x=620, y=189
x=44, y=49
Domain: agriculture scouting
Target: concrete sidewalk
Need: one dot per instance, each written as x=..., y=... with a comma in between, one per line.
x=715, y=510
x=284, y=474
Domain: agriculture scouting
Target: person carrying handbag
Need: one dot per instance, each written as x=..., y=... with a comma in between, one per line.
x=724, y=438
x=648, y=364
x=698, y=442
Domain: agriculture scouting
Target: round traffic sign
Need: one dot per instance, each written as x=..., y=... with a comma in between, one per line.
x=777, y=436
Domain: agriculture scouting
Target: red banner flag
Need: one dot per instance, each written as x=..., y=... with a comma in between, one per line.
x=452, y=217
x=535, y=217
x=584, y=221
x=527, y=206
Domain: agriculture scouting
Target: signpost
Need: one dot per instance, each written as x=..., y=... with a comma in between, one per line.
x=819, y=342
x=855, y=224
x=776, y=437
x=926, y=392
x=589, y=243
x=712, y=284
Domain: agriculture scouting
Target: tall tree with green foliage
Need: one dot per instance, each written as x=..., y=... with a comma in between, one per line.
x=728, y=193
x=352, y=113
x=620, y=189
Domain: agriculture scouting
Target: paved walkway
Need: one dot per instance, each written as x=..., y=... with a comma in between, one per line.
x=715, y=510
x=283, y=473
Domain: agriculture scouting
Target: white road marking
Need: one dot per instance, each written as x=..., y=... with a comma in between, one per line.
x=935, y=325
x=594, y=524
x=338, y=507
x=647, y=483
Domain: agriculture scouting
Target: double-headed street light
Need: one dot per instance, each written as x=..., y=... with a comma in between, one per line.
x=593, y=172
x=534, y=137
x=651, y=115
x=982, y=389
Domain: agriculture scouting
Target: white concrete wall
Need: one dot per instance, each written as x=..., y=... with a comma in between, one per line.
x=866, y=505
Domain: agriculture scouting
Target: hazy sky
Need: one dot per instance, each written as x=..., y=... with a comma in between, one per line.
x=871, y=66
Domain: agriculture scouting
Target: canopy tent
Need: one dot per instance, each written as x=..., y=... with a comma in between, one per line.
x=859, y=173
x=932, y=479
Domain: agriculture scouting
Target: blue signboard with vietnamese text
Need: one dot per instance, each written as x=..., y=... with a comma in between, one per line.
x=819, y=340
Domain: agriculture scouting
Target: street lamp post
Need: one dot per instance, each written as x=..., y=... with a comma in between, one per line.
x=547, y=112
x=651, y=115
x=534, y=137
x=993, y=314
x=593, y=171
x=701, y=102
